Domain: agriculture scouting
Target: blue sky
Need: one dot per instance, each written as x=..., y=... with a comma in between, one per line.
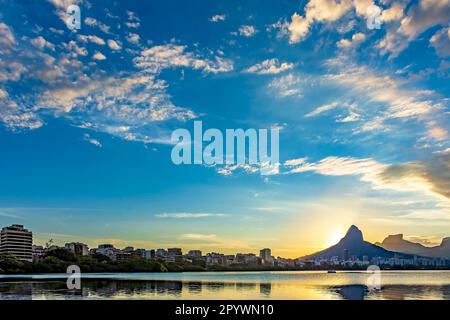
x=86, y=117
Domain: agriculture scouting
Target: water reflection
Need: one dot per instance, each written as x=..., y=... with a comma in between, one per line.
x=124, y=289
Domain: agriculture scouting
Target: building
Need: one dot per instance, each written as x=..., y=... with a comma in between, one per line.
x=17, y=241
x=247, y=258
x=78, y=248
x=149, y=254
x=38, y=253
x=194, y=254
x=266, y=256
x=161, y=253
x=345, y=255
x=174, y=255
x=107, y=250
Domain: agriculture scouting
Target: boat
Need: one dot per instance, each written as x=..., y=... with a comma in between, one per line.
x=331, y=271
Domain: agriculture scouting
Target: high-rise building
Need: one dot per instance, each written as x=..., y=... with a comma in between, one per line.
x=17, y=241
x=345, y=255
x=161, y=253
x=78, y=248
x=266, y=256
x=194, y=254
x=174, y=255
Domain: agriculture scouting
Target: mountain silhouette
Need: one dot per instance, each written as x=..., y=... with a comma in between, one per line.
x=352, y=244
x=397, y=243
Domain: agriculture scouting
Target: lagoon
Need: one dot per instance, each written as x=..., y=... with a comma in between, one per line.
x=304, y=285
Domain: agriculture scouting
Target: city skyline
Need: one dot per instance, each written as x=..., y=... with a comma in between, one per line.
x=86, y=117
x=264, y=252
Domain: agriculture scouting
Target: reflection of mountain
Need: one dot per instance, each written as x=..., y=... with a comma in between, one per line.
x=397, y=243
x=352, y=244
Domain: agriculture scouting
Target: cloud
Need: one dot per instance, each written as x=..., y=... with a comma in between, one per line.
x=295, y=162
x=432, y=177
x=441, y=42
x=98, y=56
x=419, y=18
x=401, y=101
x=356, y=39
x=321, y=109
x=247, y=31
x=93, y=141
x=114, y=45
x=133, y=38
x=270, y=66
x=217, y=18
x=132, y=25
x=394, y=13
x=92, y=39
x=186, y=215
x=41, y=43
x=316, y=10
x=169, y=56
x=7, y=38
x=286, y=86
x=198, y=237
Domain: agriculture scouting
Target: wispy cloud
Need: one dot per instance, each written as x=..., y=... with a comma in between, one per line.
x=270, y=66
x=187, y=215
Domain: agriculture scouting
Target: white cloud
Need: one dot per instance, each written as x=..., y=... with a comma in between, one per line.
x=187, y=215
x=286, y=86
x=98, y=56
x=316, y=10
x=295, y=162
x=321, y=109
x=247, y=31
x=41, y=43
x=91, y=38
x=356, y=39
x=217, y=18
x=161, y=57
x=114, y=45
x=407, y=177
x=93, y=141
x=394, y=13
x=132, y=25
x=198, y=237
x=441, y=42
x=270, y=66
x=7, y=39
x=400, y=100
x=420, y=17
x=133, y=38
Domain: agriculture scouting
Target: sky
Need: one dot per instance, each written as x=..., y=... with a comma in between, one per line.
x=358, y=89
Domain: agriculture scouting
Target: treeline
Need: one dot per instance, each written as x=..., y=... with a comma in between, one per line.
x=57, y=261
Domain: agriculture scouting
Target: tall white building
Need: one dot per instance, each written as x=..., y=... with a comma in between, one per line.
x=17, y=241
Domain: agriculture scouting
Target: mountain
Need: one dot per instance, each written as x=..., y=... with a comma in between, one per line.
x=397, y=243
x=354, y=244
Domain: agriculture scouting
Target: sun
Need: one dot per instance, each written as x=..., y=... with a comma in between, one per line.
x=335, y=236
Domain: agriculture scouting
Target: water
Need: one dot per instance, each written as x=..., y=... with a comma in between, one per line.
x=397, y=285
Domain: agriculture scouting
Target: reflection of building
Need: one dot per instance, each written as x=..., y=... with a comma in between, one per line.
x=174, y=255
x=17, y=241
x=78, y=248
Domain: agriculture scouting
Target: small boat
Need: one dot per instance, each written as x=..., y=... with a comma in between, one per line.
x=331, y=271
